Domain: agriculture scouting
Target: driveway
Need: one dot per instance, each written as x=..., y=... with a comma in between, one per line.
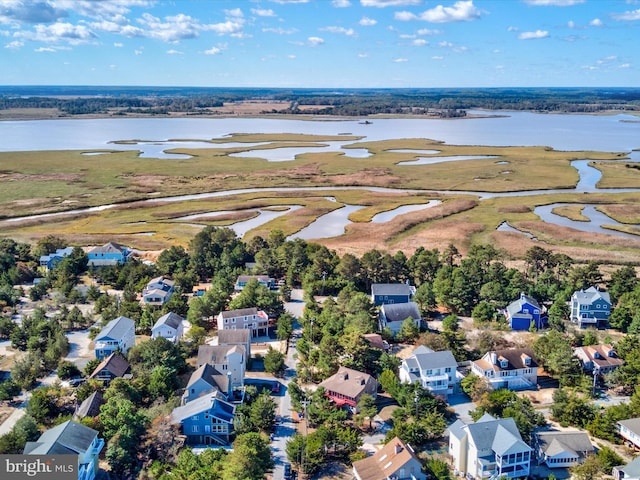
x=79, y=348
x=461, y=405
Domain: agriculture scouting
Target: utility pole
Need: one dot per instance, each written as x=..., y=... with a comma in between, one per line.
x=306, y=432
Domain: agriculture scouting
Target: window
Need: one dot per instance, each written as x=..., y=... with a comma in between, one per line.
x=195, y=417
x=195, y=429
x=448, y=369
x=207, y=429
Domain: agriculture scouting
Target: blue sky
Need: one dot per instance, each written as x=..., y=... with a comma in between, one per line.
x=320, y=43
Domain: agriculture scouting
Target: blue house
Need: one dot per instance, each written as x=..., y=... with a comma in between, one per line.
x=524, y=312
x=108, y=254
x=388, y=293
x=591, y=308
x=47, y=262
x=70, y=438
x=207, y=420
x=118, y=335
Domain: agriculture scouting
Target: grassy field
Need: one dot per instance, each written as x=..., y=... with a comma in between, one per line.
x=52, y=181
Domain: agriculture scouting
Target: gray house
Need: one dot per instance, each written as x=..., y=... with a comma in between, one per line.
x=437, y=371
x=169, y=326
x=207, y=420
x=70, y=438
x=393, y=315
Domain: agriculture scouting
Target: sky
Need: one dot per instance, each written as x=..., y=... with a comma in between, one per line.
x=321, y=43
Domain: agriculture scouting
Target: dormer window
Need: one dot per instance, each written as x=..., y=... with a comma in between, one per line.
x=504, y=363
x=527, y=360
x=597, y=355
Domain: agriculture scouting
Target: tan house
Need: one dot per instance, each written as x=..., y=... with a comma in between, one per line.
x=395, y=460
x=515, y=368
x=348, y=385
x=256, y=321
x=598, y=359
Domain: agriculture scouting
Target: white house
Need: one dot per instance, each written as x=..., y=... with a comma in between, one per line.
x=118, y=335
x=436, y=371
x=598, y=359
x=158, y=291
x=489, y=448
x=562, y=449
x=169, y=326
x=395, y=460
x=253, y=319
x=515, y=369
x=629, y=430
x=226, y=359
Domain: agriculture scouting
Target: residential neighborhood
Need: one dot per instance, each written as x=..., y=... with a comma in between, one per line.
x=524, y=389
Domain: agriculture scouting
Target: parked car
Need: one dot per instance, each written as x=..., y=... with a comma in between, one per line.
x=287, y=471
x=74, y=382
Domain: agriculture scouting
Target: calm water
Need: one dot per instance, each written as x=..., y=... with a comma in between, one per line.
x=562, y=132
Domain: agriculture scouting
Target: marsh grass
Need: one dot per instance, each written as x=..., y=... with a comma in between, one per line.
x=572, y=212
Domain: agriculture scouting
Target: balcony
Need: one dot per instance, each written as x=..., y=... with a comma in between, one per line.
x=96, y=447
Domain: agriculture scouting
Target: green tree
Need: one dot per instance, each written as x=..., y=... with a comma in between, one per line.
x=409, y=331
x=250, y=458
x=274, y=361
x=367, y=407
x=162, y=383
x=284, y=328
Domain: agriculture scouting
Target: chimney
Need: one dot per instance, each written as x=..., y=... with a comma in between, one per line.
x=229, y=387
x=398, y=448
x=494, y=358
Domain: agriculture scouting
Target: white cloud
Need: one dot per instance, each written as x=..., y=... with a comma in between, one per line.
x=625, y=65
x=280, y=30
x=389, y=3
x=571, y=24
x=284, y=2
x=461, y=11
x=445, y=44
x=333, y=29
x=30, y=12
x=341, y=3
x=363, y=55
x=367, y=22
x=111, y=10
x=236, y=12
x=419, y=42
x=429, y=31
x=405, y=16
x=174, y=52
x=263, y=12
x=400, y=60
x=628, y=15
x=213, y=51
x=179, y=27
x=118, y=44
x=58, y=32
x=44, y=49
x=291, y=57
x=14, y=45
x=407, y=36
x=512, y=29
x=113, y=66
x=437, y=57
x=553, y=3
x=139, y=51
x=533, y=35
x=315, y=41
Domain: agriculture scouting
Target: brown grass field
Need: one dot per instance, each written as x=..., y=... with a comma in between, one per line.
x=55, y=181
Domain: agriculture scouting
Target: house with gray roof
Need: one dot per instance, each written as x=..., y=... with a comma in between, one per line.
x=118, y=335
x=47, y=262
x=514, y=368
x=562, y=449
x=90, y=407
x=264, y=280
x=388, y=293
x=108, y=254
x=437, y=371
x=524, y=312
x=629, y=430
x=238, y=336
x=393, y=315
x=590, y=308
x=158, y=291
x=227, y=359
x=205, y=380
x=207, y=420
x=489, y=448
x=70, y=438
x=630, y=471
x=169, y=326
